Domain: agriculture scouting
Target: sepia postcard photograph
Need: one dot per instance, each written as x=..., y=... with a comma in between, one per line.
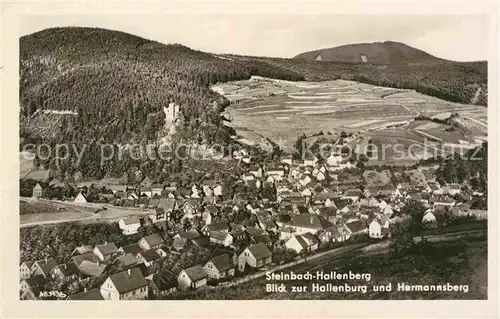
x=191, y=155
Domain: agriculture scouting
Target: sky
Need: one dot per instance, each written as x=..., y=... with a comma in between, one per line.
x=453, y=37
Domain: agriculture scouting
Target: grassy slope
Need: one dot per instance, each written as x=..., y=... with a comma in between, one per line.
x=452, y=81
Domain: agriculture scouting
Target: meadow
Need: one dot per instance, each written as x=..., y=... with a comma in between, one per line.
x=283, y=110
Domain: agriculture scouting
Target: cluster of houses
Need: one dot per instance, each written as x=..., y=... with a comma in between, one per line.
x=129, y=282
x=308, y=207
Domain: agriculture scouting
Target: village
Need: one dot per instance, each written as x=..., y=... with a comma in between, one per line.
x=277, y=212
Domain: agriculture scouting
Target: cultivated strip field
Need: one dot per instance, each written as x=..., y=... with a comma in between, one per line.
x=283, y=110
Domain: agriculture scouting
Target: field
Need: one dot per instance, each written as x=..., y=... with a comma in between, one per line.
x=32, y=212
x=282, y=110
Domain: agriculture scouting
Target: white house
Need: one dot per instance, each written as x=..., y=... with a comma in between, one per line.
x=334, y=160
x=217, y=190
x=37, y=191
x=375, y=229
x=295, y=244
x=321, y=176
x=305, y=179
x=221, y=266
x=287, y=159
x=306, y=192
x=256, y=256
x=429, y=217
x=126, y=285
x=454, y=189
x=153, y=241
x=308, y=223
x=303, y=243
x=310, y=160
x=25, y=269
x=286, y=233
x=192, y=278
x=221, y=237
x=105, y=252
x=80, y=199
x=129, y=225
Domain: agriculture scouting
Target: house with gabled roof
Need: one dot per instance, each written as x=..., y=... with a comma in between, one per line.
x=188, y=235
x=328, y=213
x=218, y=191
x=305, y=179
x=221, y=266
x=302, y=243
x=82, y=249
x=105, y=251
x=357, y=227
x=379, y=227
x=148, y=257
x=37, y=191
x=129, y=225
x=429, y=218
x=125, y=285
x=126, y=261
x=30, y=288
x=133, y=249
x=305, y=191
x=337, y=233
x=286, y=233
x=442, y=200
x=168, y=204
x=43, y=267
x=453, y=189
x=219, y=227
x=88, y=256
x=326, y=198
x=353, y=194
x=91, y=269
x=191, y=207
x=90, y=294
x=221, y=238
x=207, y=186
x=162, y=283
x=256, y=256
x=308, y=223
x=64, y=273
x=80, y=198
x=193, y=277
x=153, y=241
x=342, y=203
x=158, y=215
x=25, y=269
x=434, y=188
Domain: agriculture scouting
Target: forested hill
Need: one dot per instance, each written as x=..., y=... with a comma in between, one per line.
x=113, y=87
x=118, y=84
x=111, y=77
x=388, y=52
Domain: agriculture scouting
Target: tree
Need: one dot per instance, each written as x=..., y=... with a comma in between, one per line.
x=409, y=228
x=415, y=210
x=300, y=145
